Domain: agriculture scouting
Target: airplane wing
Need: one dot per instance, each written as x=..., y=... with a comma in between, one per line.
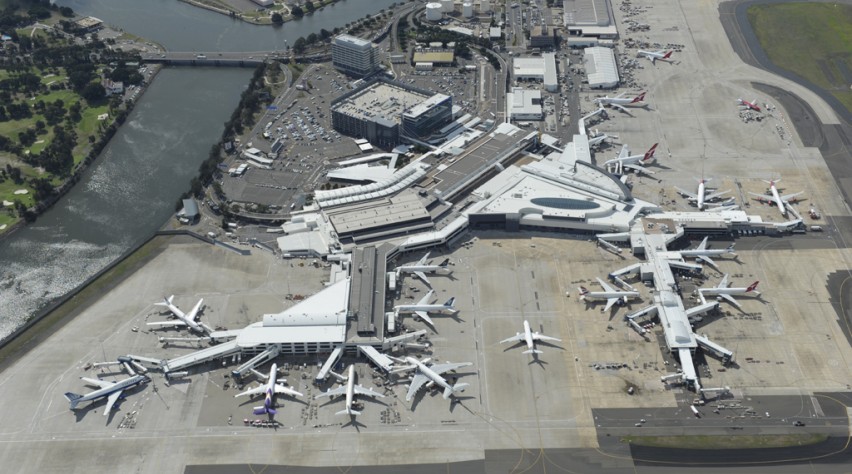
x=716, y=195
x=416, y=383
x=516, y=338
x=703, y=244
x=193, y=315
x=624, y=153
x=425, y=317
x=426, y=299
x=640, y=169
x=609, y=303
x=709, y=261
x=98, y=382
x=167, y=323
x=422, y=276
x=623, y=109
x=605, y=286
x=730, y=299
x=787, y=197
x=620, y=95
x=761, y=197
x=336, y=392
x=688, y=194
x=287, y=391
x=252, y=391
x=367, y=392
x=111, y=399
x=443, y=368
x=724, y=282
x=422, y=261
x=540, y=337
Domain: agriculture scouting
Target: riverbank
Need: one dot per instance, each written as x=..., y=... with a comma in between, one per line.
x=259, y=19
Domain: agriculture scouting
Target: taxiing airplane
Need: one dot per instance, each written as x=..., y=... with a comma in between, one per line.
x=702, y=197
x=350, y=390
x=183, y=320
x=619, y=102
x=420, y=269
x=430, y=375
x=746, y=105
x=422, y=308
x=111, y=390
x=610, y=294
x=655, y=55
x=529, y=337
x=270, y=389
x=774, y=197
x=722, y=291
x=704, y=254
x=633, y=162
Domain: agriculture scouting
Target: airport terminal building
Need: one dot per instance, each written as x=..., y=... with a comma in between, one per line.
x=386, y=112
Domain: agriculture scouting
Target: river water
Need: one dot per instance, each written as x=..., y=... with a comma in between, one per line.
x=132, y=188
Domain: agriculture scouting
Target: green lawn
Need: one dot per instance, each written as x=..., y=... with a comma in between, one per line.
x=813, y=40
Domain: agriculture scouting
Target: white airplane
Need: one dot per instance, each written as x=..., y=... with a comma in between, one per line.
x=701, y=197
x=655, y=55
x=634, y=162
x=775, y=198
x=530, y=337
x=187, y=320
x=111, y=390
x=430, y=375
x=746, y=105
x=350, y=390
x=723, y=292
x=420, y=269
x=422, y=308
x=703, y=253
x=610, y=294
x=270, y=389
x=619, y=102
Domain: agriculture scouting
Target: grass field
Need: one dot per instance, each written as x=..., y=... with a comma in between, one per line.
x=726, y=442
x=813, y=40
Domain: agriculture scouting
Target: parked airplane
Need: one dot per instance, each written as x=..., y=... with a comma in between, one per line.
x=111, y=390
x=420, y=269
x=701, y=197
x=746, y=105
x=775, y=198
x=188, y=320
x=703, y=253
x=610, y=294
x=633, y=162
x=723, y=292
x=430, y=375
x=350, y=390
x=619, y=102
x=270, y=389
x=655, y=55
x=423, y=308
x=529, y=337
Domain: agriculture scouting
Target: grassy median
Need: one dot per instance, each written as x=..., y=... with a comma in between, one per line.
x=813, y=40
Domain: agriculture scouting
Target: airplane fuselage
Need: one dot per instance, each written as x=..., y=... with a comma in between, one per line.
x=528, y=335
x=700, y=195
x=429, y=308
x=105, y=392
x=350, y=389
x=777, y=198
x=429, y=373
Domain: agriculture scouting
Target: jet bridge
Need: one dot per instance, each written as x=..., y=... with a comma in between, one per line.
x=202, y=356
x=270, y=353
x=381, y=360
x=329, y=363
x=726, y=355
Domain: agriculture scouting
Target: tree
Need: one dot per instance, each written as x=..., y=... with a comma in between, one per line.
x=325, y=34
x=309, y=5
x=93, y=92
x=277, y=18
x=300, y=45
x=297, y=12
x=312, y=38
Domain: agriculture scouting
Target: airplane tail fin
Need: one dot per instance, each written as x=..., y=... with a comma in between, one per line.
x=752, y=287
x=348, y=412
x=459, y=387
x=650, y=153
x=583, y=291
x=668, y=55
x=638, y=98
x=450, y=302
x=262, y=410
x=74, y=398
x=166, y=301
x=445, y=263
x=533, y=351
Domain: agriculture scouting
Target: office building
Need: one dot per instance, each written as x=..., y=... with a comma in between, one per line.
x=354, y=56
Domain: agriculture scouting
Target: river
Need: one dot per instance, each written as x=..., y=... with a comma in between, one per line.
x=132, y=188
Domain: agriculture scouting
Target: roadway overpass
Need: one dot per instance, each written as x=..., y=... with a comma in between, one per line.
x=195, y=58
